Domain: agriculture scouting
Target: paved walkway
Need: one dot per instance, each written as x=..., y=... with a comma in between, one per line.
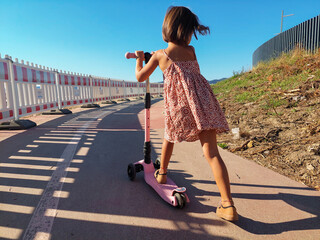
x=66, y=179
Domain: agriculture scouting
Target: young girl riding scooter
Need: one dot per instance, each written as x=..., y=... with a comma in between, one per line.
x=192, y=112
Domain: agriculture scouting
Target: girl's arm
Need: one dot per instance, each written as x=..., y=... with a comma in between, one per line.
x=142, y=73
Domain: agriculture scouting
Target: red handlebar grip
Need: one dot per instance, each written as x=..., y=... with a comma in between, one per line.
x=130, y=55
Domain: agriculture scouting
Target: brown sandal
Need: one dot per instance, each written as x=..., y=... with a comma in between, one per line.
x=228, y=213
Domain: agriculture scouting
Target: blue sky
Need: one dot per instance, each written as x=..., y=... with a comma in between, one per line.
x=91, y=37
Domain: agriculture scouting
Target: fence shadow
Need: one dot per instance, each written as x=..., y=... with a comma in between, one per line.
x=96, y=201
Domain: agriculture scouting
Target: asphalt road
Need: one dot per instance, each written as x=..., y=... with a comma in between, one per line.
x=66, y=179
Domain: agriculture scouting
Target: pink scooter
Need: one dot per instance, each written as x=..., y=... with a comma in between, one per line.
x=169, y=192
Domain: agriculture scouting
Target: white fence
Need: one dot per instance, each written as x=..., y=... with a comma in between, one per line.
x=28, y=89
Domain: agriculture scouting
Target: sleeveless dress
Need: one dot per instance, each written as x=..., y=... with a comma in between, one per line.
x=190, y=105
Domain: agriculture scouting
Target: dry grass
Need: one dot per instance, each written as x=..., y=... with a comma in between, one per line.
x=287, y=72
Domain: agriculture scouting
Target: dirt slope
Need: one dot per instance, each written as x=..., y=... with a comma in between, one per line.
x=276, y=107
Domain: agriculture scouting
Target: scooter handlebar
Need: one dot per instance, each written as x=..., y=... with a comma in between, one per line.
x=147, y=56
x=130, y=55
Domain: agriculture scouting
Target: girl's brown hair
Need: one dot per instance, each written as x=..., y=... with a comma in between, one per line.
x=178, y=25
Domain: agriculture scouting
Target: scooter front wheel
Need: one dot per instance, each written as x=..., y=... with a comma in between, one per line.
x=131, y=171
x=181, y=200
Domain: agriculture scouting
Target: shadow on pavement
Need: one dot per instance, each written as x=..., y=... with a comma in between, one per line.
x=97, y=200
x=308, y=204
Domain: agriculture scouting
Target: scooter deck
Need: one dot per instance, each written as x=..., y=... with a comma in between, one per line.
x=166, y=191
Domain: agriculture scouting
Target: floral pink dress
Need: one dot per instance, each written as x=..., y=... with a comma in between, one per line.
x=190, y=105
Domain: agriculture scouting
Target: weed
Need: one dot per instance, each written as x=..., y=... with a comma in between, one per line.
x=238, y=73
x=223, y=145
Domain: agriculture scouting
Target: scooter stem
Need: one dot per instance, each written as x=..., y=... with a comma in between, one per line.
x=147, y=103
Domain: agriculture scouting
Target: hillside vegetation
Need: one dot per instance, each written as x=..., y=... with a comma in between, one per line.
x=276, y=107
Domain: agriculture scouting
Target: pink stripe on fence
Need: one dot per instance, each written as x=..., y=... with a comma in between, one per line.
x=66, y=80
x=42, y=77
x=15, y=72
x=49, y=77
x=34, y=75
x=6, y=74
x=24, y=74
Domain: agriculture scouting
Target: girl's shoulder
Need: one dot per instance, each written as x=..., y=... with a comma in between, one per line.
x=159, y=53
x=192, y=48
x=162, y=59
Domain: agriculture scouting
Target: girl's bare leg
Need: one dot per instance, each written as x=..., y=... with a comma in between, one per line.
x=226, y=209
x=166, y=152
x=209, y=146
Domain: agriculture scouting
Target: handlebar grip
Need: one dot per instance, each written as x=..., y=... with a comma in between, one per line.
x=147, y=56
x=130, y=55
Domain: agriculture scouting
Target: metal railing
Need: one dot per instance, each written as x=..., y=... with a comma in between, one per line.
x=28, y=89
x=305, y=35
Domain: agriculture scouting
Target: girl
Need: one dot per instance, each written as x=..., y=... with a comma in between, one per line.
x=191, y=110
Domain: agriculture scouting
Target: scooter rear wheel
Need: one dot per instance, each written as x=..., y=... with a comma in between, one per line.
x=157, y=164
x=131, y=171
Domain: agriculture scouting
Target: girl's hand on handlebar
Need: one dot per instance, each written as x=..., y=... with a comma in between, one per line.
x=140, y=55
